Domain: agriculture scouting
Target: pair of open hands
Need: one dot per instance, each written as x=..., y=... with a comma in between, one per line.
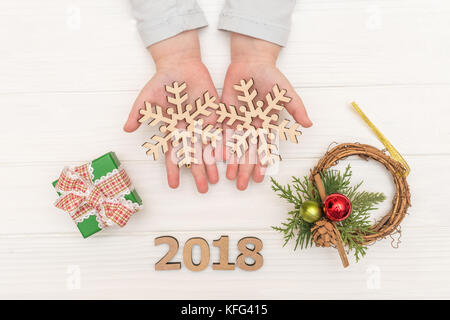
x=179, y=59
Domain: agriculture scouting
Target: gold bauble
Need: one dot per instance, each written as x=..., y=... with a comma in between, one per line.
x=310, y=211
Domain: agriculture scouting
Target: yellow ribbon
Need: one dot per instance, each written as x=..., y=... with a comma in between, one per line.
x=389, y=147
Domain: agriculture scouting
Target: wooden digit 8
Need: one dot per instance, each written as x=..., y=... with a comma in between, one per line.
x=250, y=253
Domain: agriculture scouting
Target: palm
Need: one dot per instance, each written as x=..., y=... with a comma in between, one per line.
x=264, y=76
x=198, y=80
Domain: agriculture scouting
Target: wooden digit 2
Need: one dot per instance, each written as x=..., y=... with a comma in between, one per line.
x=164, y=263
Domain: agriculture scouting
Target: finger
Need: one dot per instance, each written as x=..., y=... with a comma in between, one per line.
x=232, y=168
x=259, y=172
x=245, y=171
x=173, y=172
x=226, y=136
x=218, y=150
x=209, y=151
x=229, y=98
x=297, y=109
x=212, y=172
x=132, y=123
x=228, y=156
x=199, y=173
x=210, y=164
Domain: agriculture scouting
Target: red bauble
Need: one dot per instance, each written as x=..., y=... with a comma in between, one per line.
x=337, y=207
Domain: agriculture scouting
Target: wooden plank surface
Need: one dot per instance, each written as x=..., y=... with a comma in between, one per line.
x=93, y=45
x=51, y=266
x=64, y=65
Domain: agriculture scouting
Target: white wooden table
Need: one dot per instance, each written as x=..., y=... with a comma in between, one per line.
x=69, y=72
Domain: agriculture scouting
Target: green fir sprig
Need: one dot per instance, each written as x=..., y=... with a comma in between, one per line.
x=334, y=181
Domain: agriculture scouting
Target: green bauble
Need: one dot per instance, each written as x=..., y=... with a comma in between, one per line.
x=310, y=211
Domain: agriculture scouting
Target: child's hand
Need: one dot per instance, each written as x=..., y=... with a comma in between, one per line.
x=178, y=59
x=254, y=58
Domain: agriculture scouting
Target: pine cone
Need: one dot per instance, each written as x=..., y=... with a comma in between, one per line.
x=323, y=233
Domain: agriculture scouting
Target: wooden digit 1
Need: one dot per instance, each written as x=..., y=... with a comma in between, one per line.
x=250, y=253
x=204, y=257
x=223, y=244
x=164, y=263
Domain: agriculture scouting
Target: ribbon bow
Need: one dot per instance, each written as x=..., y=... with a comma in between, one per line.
x=81, y=197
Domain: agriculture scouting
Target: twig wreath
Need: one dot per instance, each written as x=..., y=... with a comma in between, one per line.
x=330, y=212
x=390, y=222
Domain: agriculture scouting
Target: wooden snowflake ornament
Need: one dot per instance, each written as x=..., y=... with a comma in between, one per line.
x=184, y=139
x=268, y=114
x=243, y=119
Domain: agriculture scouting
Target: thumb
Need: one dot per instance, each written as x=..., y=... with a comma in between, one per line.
x=133, y=118
x=297, y=109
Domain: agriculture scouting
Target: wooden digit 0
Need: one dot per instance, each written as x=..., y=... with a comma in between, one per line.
x=164, y=263
x=250, y=253
x=204, y=257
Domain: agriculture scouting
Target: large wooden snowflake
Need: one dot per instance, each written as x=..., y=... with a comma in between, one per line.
x=186, y=153
x=242, y=119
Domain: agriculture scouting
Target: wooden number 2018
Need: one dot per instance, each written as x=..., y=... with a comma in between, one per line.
x=222, y=243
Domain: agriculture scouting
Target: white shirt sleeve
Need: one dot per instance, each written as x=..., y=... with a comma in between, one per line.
x=264, y=19
x=161, y=19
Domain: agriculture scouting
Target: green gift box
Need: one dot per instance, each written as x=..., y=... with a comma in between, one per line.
x=99, y=170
